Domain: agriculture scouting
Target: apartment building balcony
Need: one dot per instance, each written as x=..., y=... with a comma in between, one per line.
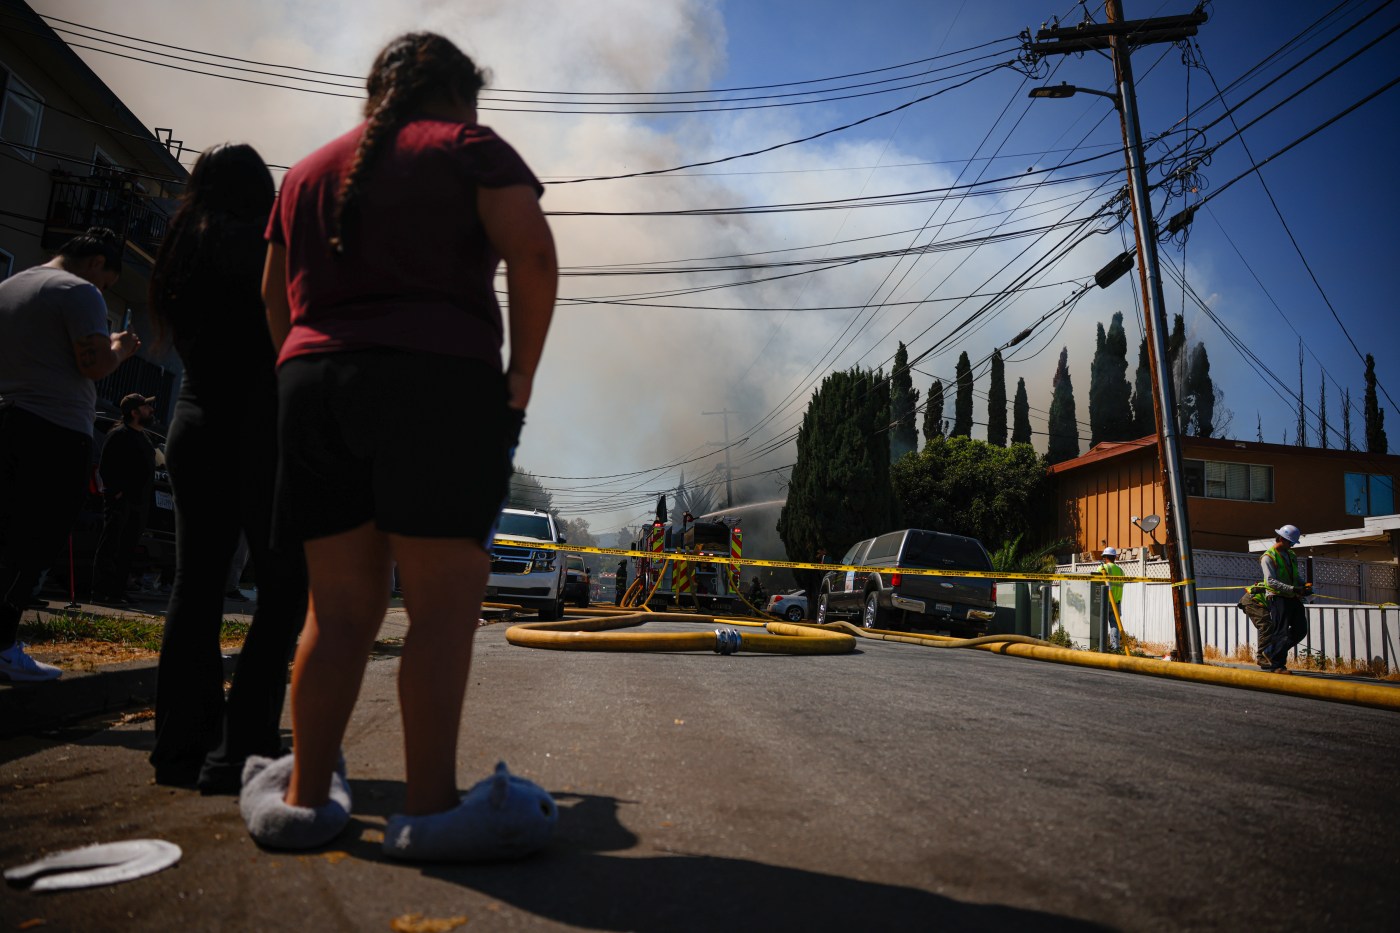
x=113, y=201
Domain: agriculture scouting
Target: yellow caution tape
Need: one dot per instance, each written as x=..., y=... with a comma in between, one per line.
x=802, y=565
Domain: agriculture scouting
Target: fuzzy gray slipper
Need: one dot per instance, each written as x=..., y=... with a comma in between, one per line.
x=275, y=824
x=502, y=817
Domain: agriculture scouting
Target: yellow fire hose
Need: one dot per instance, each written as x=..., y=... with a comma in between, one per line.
x=594, y=633
x=1021, y=646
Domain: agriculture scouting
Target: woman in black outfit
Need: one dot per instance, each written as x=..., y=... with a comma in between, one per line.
x=222, y=456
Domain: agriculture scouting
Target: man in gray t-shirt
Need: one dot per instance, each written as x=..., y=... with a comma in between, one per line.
x=53, y=345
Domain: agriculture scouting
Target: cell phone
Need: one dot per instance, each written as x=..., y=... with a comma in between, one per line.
x=126, y=320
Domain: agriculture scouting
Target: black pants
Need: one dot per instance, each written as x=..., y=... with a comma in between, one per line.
x=621, y=591
x=222, y=471
x=43, y=477
x=1282, y=624
x=123, y=520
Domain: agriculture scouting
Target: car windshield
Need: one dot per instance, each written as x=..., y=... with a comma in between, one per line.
x=523, y=526
x=927, y=549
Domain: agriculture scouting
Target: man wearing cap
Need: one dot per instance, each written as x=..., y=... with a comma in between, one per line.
x=1275, y=606
x=54, y=343
x=127, y=468
x=1108, y=567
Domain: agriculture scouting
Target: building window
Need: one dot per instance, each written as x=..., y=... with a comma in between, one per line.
x=1219, y=479
x=20, y=110
x=7, y=265
x=1369, y=494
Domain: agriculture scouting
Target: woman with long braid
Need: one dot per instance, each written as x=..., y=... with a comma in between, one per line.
x=379, y=290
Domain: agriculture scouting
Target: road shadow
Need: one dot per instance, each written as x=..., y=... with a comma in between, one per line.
x=578, y=884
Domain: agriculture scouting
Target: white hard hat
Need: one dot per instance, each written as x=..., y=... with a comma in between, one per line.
x=1289, y=533
x=1110, y=552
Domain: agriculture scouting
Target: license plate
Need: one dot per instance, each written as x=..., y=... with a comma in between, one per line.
x=943, y=607
x=164, y=500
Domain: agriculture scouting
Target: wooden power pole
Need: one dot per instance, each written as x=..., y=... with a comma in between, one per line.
x=1120, y=37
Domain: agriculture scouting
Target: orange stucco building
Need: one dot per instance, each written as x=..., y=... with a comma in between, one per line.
x=1236, y=490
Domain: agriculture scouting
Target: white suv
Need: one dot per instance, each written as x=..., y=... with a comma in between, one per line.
x=524, y=575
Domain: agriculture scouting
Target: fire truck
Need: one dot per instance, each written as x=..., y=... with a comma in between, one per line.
x=675, y=583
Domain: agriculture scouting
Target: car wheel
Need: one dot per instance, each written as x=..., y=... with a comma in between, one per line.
x=795, y=614
x=583, y=600
x=553, y=611
x=872, y=617
x=822, y=608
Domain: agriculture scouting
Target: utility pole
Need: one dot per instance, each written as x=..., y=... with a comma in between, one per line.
x=728, y=468
x=1120, y=36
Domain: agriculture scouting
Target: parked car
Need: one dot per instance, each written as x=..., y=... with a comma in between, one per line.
x=886, y=598
x=529, y=577
x=577, y=582
x=791, y=606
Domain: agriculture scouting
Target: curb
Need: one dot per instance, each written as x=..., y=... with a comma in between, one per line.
x=78, y=695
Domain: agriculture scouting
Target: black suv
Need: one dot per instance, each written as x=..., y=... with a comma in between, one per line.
x=888, y=598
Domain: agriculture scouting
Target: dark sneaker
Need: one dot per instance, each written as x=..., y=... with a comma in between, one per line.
x=235, y=596
x=16, y=667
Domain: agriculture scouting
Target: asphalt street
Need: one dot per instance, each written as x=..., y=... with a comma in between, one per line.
x=897, y=788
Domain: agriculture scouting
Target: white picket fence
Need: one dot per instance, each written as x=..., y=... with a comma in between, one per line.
x=1335, y=630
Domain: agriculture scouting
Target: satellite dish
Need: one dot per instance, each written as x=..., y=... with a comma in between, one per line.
x=1150, y=522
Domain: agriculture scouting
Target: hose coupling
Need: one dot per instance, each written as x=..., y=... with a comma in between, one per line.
x=728, y=641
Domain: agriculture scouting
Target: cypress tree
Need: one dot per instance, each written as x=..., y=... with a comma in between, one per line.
x=933, y=412
x=1144, y=418
x=1110, y=396
x=1176, y=366
x=904, y=398
x=996, y=403
x=1258, y=427
x=1198, y=403
x=1064, y=424
x=1376, y=442
x=1021, y=415
x=962, y=402
x=1096, y=367
x=840, y=490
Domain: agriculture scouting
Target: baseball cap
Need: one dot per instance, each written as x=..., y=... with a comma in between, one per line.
x=134, y=401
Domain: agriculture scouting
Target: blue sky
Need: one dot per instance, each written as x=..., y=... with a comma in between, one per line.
x=624, y=385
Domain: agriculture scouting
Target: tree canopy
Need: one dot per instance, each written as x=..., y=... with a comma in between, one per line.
x=969, y=487
x=840, y=489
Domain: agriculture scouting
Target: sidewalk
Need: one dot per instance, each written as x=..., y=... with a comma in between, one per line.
x=85, y=692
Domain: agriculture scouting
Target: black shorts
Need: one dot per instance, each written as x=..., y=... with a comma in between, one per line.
x=414, y=442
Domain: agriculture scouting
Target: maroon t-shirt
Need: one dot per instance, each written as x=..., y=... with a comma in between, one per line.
x=418, y=271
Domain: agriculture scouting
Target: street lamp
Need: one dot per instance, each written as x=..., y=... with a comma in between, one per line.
x=1069, y=90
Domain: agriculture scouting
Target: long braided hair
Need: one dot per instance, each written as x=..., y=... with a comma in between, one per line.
x=411, y=70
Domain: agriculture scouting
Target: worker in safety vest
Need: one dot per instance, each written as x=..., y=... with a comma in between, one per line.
x=1275, y=606
x=1108, y=566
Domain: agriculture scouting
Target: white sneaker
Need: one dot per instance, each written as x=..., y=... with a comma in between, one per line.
x=17, y=667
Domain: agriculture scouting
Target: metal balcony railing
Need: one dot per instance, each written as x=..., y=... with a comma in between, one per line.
x=111, y=201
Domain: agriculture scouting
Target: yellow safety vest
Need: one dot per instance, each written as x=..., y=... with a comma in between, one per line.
x=1285, y=565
